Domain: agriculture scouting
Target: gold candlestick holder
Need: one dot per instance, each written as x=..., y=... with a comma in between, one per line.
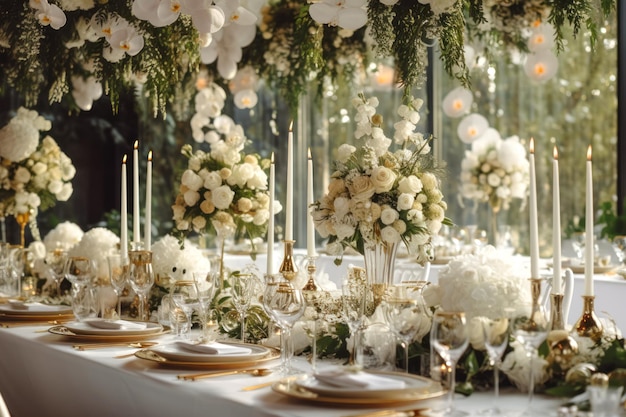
x=588, y=325
x=563, y=347
x=310, y=269
x=288, y=266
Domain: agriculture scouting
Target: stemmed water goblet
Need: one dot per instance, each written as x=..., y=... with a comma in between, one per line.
x=141, y=277
x=619, y=247
x=78, y=270
x=496, y=336
x=287, y=304
x=205, y=282
x=404, y=314
x=242, y=287
x=449, y=337
x=183, y=298
x=55, y=262
x=530, y=326
x=353, y=300
x=118, y=275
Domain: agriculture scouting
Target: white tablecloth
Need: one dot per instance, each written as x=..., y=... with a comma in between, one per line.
x=41, y=375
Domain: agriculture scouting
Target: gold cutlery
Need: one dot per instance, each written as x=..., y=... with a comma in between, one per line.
x=391, y=413
x=253, y=372
x=90, y=346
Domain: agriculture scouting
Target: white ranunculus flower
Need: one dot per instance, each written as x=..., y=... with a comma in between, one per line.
x=212, y=180
x=191, y=197
x=344, y=152
x=55, y=187
x=389, y=215
x=192, y=180
x=390, y=234
x=410, y=185
x=261, y=217
x=22, y=175
x=198, y=223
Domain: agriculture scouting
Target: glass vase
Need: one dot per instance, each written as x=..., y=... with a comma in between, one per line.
x=380, y=261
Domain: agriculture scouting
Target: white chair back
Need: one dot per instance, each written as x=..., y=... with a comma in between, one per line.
x=4, y=410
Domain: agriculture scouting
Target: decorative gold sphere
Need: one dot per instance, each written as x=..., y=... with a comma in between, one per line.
x=580, y=374
x=599, y=379
x=563, y=348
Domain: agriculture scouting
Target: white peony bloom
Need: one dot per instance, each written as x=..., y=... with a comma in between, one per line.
x=222, y=197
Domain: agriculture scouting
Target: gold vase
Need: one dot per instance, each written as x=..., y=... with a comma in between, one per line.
x=288, y=266
x=563, y=348
x=588, y=325
x=22, y=219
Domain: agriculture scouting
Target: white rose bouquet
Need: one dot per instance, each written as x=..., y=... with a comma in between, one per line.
x=33, y=175
x=225, y=190
x=495, y=171
x=381, y=196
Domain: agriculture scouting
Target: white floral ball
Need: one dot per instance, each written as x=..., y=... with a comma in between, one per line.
x=64, y=236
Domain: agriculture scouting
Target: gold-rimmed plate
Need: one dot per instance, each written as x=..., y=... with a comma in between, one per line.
x=68, y=334
x=35, y=311
x=292, y=389
x=406, y=384
x=151, y=355
x=173, y=352
x=84, y=328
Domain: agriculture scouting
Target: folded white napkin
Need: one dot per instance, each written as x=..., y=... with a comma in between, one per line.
x=213, y=348
x=345, y=379
x=36, y=307
x=115, y=324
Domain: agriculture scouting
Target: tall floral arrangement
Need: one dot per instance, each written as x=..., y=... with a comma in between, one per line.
x=377, y=195
x=495, y=170
x=225, y=190
x=34, y=174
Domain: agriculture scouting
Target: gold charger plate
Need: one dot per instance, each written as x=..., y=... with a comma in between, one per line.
x=150, y=355
x=293, y=390
x=68, y=334
x=44, y=317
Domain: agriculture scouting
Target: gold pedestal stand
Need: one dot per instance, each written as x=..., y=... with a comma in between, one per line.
x=310, y=269
x=563, y=348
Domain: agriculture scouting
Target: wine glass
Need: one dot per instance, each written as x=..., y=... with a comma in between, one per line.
x=118, y=274
x=404, y=314
x=242, y=286
x=496, y=336
x=141, y=277
x=183, y=298
x=205, y=291
x=55, y=262
x=449, y=337
x=353, y=300
x=578, y=244
x=530, y=326
x=619, y=246
x=287, y=305
x=78, y=270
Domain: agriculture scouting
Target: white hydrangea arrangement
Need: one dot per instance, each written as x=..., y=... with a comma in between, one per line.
x=381, y=196
x=495, y=170
x=225, y=190
x=96, y=244
x=64, y=236
x=33, y=174
x=169, y=259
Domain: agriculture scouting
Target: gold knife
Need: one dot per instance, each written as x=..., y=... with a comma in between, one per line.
x=391, y=413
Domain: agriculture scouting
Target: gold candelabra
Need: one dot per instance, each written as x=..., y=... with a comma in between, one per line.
x=588, y=325
x=288, y=266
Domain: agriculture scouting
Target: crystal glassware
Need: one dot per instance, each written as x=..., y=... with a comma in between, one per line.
x=55, y=262
x=496, y=336
x=449, y=337
x=183, y=298
x=79, y=270
x=141, y=277
x=287, y=305
x=404, y=313
x=118, y=275
x=205, y=282
x=530, y=326
x=353, y=298
x=242, y=287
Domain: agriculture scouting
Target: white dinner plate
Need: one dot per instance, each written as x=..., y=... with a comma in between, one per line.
x=34, y=309
x=176, y=353
x=413, y=384
x=81, y=328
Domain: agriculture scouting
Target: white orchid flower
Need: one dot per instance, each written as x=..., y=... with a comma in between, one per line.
x=347, y=14
x=226, y=48
x=127, y=40
x=246, y=99
x=206, y=17
x=158, y=12
x=49, y=14
x=541, y=37
x=86, y=91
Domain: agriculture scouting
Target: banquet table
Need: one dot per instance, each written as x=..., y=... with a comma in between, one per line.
x=42, y=375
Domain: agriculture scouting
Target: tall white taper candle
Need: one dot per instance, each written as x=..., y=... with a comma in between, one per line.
x=124, y=212
x=270, y=223
x=148, y=221
x=534, y=235
x=556, y=226
x=289, y=203
x=136, y=232
x=589, y=253
x=310, y=227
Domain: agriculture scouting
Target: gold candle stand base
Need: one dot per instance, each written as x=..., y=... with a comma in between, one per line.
x=563, y=347
x=588, y=325
x=310, y=269
x=288, y=266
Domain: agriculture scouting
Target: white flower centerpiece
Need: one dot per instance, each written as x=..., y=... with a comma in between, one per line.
x=377, y=197
x=34, y=175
